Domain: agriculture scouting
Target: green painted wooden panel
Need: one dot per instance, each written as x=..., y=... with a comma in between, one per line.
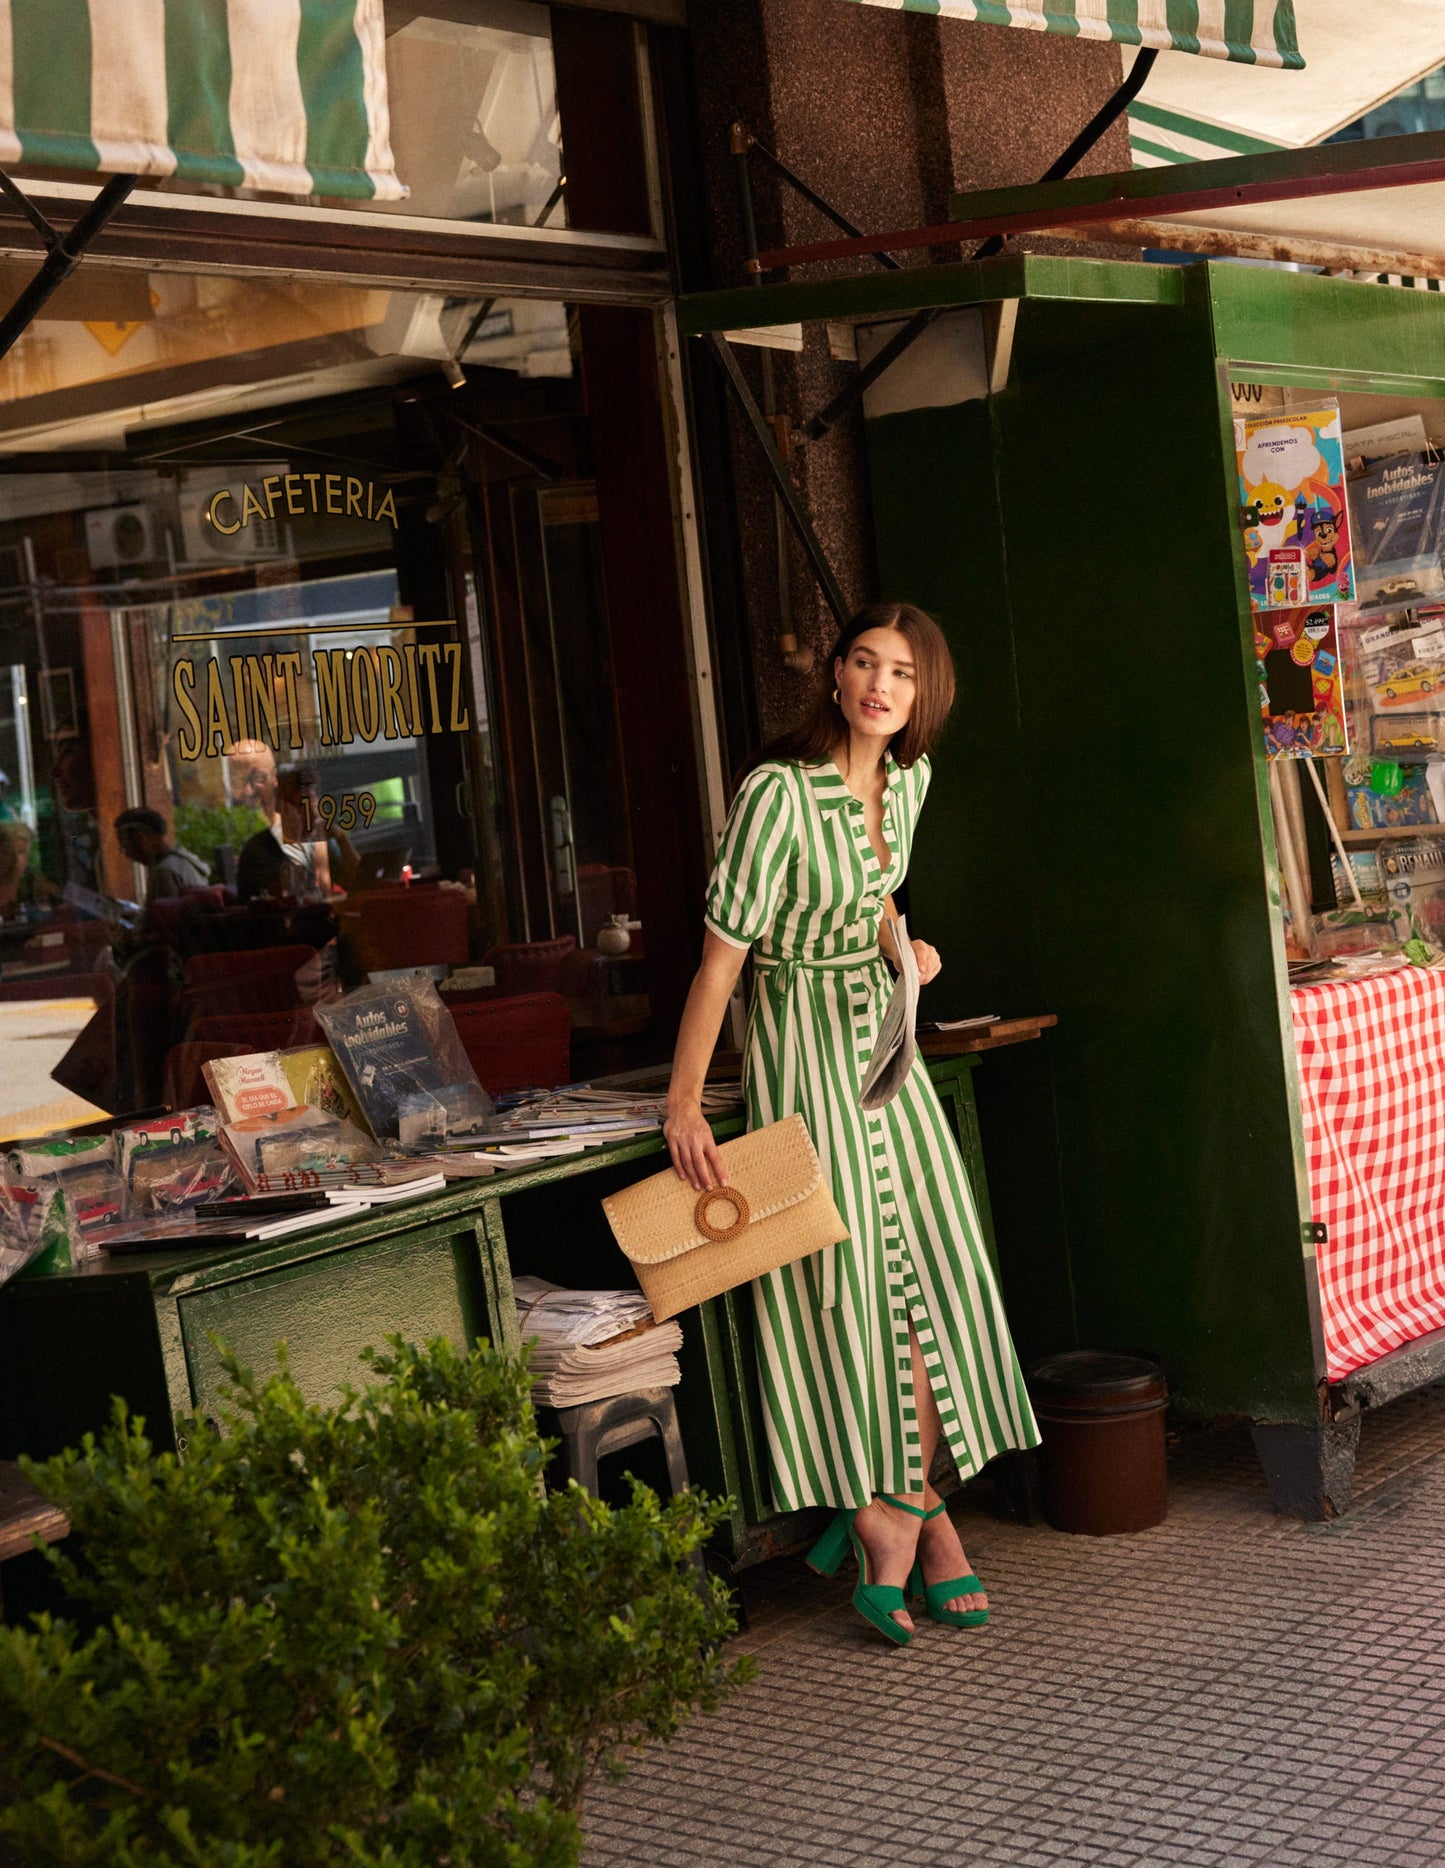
x=1328, y=332
x=328, y=1309
x=1099, y=852
x=939, y=531
x=911, y=288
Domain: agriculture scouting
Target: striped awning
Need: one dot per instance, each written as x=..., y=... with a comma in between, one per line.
x=1249, y=32
x=1362, y=53
x=283, y=95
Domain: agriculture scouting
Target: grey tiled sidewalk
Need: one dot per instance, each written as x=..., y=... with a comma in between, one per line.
x=1231, y=1688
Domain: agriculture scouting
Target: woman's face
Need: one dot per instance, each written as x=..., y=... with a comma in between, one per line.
x=876, y=683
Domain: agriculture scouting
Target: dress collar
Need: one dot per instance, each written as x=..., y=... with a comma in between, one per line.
x=829, y=789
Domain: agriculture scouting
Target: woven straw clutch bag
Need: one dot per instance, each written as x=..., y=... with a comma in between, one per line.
x=687, y=1246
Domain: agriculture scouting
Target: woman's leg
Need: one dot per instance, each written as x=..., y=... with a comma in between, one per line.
x=939, y=1548
x=893, y=1538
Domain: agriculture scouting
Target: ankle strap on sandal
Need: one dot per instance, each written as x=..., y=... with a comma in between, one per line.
x=915, y=1511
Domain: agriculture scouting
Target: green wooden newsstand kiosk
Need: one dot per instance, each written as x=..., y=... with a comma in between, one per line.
x=1054, y=476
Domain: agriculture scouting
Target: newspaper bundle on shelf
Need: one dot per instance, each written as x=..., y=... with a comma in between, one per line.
x=592, y=1344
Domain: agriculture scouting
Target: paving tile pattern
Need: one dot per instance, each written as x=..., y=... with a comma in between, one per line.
x=1232, y=1689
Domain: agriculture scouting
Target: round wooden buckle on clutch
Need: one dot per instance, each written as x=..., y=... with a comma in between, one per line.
x=718, y=1233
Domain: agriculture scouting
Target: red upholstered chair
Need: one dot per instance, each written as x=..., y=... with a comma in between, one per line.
x=166, y=915
x=260, y=979
x=530, y=966
x=420, y=926
x=517, y=1044
x=182, y=1084
x=260, y=1031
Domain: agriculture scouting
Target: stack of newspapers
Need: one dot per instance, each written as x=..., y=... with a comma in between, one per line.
x=592, y=1344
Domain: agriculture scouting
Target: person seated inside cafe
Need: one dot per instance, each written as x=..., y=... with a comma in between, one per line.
x=295, y=859
x=170, y=868
x=23, y=888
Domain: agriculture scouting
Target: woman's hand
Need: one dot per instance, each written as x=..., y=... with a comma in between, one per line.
x=692, y=1146
x=929, y=964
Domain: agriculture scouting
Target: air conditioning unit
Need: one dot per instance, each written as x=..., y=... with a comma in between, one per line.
x=121, y=537
x=204, y=543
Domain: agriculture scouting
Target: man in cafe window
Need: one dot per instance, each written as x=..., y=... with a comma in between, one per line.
x=170, y=868
x=295, y=858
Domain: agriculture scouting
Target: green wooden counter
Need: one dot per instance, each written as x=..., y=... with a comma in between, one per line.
x=145, y=1327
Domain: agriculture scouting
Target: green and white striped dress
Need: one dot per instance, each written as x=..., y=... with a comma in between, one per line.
x=798, y=881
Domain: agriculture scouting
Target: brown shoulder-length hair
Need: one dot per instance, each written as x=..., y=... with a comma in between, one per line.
x=823, y=726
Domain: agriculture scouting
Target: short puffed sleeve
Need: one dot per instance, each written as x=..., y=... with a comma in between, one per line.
x=752, y=860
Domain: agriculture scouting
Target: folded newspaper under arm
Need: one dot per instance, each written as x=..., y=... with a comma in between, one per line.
x=896, y=1048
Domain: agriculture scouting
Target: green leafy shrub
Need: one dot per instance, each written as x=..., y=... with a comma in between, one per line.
x=203, y=828
x=357, y=1634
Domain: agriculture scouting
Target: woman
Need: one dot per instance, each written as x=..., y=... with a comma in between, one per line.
x=870, y=1351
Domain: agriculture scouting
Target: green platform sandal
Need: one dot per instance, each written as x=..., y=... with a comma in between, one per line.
x=936, y=1594
x=875, y=1602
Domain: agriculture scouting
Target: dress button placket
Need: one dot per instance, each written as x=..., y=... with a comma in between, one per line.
x=888, y=1209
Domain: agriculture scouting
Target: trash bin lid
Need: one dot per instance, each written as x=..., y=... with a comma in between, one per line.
x=1081, y=1372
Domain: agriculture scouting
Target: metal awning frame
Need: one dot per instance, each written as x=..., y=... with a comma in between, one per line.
x=63, y=251
x=1131, y=196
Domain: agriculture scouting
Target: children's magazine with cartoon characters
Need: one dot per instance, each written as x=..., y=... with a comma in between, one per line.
x=1293, y=508
x=1301, y=695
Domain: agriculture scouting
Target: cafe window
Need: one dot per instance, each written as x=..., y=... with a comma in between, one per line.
x=316, y=575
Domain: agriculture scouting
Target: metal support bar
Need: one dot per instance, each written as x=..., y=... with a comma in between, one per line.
x=814, y=199
x=14, y=193
x=63, y=257
x=1101, y=120
x=869, y=374
x=740, y=141
x=483, y=311
x=782, y=484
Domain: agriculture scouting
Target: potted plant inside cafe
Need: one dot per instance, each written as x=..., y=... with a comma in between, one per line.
x=358, y=1634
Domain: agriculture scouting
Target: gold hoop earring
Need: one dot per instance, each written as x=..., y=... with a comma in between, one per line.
x=836, y=701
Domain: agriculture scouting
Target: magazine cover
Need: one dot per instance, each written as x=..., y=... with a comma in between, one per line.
x=1293, y=508
x=398, y=1046
x=1398, y=521
x=1301, y=694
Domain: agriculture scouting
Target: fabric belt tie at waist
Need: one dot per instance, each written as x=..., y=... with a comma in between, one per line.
x=789, y=973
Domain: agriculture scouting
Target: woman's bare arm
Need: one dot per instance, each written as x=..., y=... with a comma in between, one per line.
x=689, y=1139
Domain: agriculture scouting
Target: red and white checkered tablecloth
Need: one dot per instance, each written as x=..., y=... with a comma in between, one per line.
x=1372, y=1089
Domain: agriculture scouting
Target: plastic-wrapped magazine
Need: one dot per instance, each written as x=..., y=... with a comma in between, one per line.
x=287, y=1147
x=896, y=1047
x=1398, y=510
x=398, y=1046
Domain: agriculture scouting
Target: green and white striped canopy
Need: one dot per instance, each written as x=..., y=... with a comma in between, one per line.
x=1158, y=137
x=283, y=95
x=1250, y=32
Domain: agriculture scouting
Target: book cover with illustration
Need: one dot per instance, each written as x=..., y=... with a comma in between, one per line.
x=1397, y=513
x=1293, y=508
